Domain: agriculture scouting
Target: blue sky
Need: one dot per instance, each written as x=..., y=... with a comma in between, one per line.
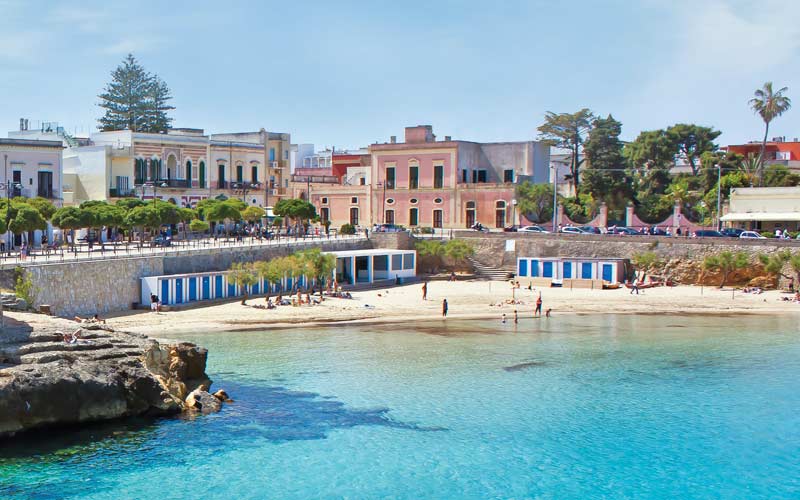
x=349, y=73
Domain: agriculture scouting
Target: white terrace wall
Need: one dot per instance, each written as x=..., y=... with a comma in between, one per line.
x=103, y=286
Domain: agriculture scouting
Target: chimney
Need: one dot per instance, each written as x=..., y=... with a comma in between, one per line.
x=393, y=139
x=447, y=138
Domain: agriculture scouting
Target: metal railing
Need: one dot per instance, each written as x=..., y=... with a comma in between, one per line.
x=84, y=252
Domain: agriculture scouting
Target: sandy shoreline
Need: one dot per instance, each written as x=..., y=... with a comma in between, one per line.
x=466, y=299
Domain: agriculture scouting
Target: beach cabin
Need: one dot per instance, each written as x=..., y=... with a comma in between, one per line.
x=558, y=269
x=357, y=267
x=352, y=267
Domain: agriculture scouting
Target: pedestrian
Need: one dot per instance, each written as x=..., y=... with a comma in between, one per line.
x=444, y=308
x=538, y=311
x=516, y=317
x=504, y=319
x=635, y=287
x=425, y=290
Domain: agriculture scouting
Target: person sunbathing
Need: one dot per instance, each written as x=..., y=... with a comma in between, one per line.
x=70, y=338
x=93, y=319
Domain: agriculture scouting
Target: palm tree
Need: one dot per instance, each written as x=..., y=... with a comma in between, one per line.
x=769, y=105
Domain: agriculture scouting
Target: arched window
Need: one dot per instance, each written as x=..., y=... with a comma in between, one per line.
x=189, y=171
x=413, y=217
x=470, y=204
x=202, y=174
x=500, y=204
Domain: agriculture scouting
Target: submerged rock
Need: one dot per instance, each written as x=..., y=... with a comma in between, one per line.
x=103, y=375
x=203, y=402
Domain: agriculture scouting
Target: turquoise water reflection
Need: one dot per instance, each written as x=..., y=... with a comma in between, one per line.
x=577, y=407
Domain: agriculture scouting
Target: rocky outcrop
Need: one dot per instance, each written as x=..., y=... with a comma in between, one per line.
x=104, y=374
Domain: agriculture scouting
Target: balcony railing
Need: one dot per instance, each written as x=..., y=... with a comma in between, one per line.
x=245, y=185
x=164, y=183
x=316, y=179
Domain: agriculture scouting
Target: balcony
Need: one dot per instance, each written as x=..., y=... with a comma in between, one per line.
x=164, y=183
x=244, y=185
x=316, y=179
x=121, y=193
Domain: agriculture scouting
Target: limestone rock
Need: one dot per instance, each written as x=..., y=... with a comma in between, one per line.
x=104, y=375
x=203, y=402
x=222, y=396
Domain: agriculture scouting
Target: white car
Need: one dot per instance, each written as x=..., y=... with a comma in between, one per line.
x=532, y=229
x=752, y=235
x=572, y=230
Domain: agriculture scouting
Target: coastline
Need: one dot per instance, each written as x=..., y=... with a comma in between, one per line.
x=467, y=300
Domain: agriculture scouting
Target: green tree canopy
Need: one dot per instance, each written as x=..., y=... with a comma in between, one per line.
x=567, y=131
x=253, y=214
x=198, y=226
x=135, y=100
x=535, y=201
x=726, y=262
x=605, y=179
x=27, y=219
x=43, y=205
x=691, y=141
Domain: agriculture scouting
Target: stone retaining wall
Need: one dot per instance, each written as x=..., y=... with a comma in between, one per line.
x=103, y=286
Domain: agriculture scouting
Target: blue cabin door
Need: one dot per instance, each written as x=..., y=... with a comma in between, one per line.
x=218, y=287
x=534, y=268
x=608, y=273
x=206, y=287
x=178, y=291
x=547, y=269
x=567, y=269
x=192, y=289
x=523, y=267
x=254, y=289
x=165, y=291
x=231, y=290
x=586, y=270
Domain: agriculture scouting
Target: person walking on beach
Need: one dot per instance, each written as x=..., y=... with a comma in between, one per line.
x=538, y=311
x=635, y=287
x=504, y=319
x=444, y=308
x=516, y=318
x=425, y=290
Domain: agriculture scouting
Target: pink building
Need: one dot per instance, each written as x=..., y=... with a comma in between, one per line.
x=423, y=182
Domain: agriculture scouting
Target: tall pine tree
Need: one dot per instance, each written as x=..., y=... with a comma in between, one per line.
x=605, y=179
x=135, y=100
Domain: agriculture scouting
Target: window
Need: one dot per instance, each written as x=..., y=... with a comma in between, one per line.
x=354, y=216
x=202, y=174
x=438, y=201
x=500, y=214
x=397, y=262
x=271, y=154
x=390, y=201
x=141, y=170
x=474, y=176
x=464, y=176
x=45, y=184
x=408, y=261
x=389, y=177
x=189, y=172
x=221, y=176
x=325, y=214
x=285, y=154
x=438, y=176
x=254, y=173
x=482, y=176
x=413, y=217
x=239, y=173
x=508, y=175
x=389, y=217
x=471, y=213
x=354, y=199
x=324, y=200
x=437, y=218
x=362, y=181
x=413, y=201
x=413, y=177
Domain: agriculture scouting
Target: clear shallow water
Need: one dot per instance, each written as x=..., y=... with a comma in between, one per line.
x=572, y=407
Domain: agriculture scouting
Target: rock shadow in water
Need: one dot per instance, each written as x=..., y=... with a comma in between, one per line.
x=524, y=366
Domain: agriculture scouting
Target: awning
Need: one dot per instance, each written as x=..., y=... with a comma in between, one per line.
x=762, y=216
x=269, y=213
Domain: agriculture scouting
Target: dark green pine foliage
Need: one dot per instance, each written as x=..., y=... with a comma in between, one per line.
x=135, y=100
x=605, y=178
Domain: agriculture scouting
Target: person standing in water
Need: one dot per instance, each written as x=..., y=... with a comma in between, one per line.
x=538, y=311
x=444, y=308
x=516, y=318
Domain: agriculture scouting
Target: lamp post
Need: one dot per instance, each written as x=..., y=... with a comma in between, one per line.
x=719, y=197
x=8, y=203
x=555, y=195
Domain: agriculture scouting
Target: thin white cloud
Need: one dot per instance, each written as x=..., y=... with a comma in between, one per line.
x=134, y=45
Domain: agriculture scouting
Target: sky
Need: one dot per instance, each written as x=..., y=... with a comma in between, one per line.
x=350, y=73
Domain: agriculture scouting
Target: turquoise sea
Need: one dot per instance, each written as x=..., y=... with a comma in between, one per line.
x=568, y=407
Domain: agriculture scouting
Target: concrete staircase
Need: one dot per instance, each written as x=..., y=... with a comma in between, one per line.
x=491, y=272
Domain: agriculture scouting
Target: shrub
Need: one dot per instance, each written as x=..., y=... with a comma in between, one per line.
x=347, y=229
x=23, y=287
x=767, y=234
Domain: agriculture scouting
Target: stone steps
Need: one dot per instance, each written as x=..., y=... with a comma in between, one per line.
x=489, y=272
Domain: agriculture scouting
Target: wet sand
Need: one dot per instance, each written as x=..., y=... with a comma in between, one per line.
x=466, y=299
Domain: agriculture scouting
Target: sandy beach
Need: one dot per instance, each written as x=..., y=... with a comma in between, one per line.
x=466, y=299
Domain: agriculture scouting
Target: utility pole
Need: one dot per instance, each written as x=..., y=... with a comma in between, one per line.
x=719, y=197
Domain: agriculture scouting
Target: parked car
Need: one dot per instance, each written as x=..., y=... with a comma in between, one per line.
x=511, y=229
x=533, y=229
x=590, y=229
x=571, y=230
x=707, y=233
x=752, y=235
x=624, y=231
x=732, y=232
x=387, y=228
x=161, y=241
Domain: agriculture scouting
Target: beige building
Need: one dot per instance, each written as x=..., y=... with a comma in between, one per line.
x=764, y=208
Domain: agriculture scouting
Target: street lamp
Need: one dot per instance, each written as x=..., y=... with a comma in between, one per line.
x=719, y=197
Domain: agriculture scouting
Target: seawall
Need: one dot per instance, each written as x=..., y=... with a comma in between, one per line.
x=113, y=284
